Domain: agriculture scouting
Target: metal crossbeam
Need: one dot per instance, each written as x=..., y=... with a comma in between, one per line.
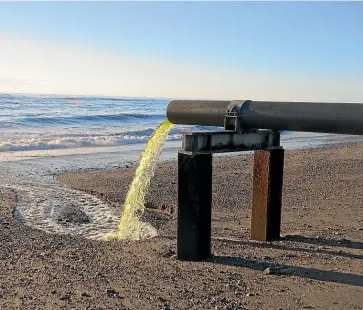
x=228, y=141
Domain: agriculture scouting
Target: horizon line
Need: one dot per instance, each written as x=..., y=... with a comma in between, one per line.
x=151, y=97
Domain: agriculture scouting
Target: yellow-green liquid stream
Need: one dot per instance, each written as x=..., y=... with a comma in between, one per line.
x=130, y=224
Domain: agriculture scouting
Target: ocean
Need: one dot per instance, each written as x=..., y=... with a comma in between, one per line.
x=56, y=122
x=43, y=125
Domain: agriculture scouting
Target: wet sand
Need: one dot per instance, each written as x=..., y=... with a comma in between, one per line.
x=318, y=264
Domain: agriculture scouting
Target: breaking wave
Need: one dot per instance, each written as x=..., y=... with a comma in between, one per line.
x=90, y=119
x=77, y=141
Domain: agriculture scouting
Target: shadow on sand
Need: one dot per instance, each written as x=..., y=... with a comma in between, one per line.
x=305, y=272
x=325, y=241
x=315, y=241
x=311, y=273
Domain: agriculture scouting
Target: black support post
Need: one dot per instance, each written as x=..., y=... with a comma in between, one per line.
x=267, y=194
x=194, y=206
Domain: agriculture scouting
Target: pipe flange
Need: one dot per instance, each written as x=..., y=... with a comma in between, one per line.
x=233, y=115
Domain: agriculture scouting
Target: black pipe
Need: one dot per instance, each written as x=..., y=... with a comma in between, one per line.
x=340, y=118
x=197, y=112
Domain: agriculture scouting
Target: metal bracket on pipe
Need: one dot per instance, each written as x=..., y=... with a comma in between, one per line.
x=232, y=122
x=233, y=116
x=229, y=141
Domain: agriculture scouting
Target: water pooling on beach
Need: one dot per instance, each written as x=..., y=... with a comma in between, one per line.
x=45, y=203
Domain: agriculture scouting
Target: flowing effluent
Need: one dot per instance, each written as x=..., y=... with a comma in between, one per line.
x=130, y=224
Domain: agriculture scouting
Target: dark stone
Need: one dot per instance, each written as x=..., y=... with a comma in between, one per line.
x=71, y=214
x=64, y=297
x=272, y=270
x=166, y=307
x=112, y=293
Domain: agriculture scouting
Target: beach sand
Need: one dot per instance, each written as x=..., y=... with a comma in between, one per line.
x=319, y=260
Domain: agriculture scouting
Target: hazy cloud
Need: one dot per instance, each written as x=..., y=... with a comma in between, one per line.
x=43, y=67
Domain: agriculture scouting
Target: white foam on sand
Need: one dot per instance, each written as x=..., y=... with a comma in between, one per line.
x=41, y=195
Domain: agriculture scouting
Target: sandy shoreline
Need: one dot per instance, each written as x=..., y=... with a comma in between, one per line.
x=45, y=203
x=321, y=254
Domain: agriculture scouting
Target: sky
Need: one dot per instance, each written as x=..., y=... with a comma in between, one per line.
x=213, y=50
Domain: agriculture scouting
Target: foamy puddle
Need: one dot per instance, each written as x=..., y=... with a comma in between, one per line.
x=43, y=202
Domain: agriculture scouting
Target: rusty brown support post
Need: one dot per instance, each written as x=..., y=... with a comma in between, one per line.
x=267, y=194
x=194, y=206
